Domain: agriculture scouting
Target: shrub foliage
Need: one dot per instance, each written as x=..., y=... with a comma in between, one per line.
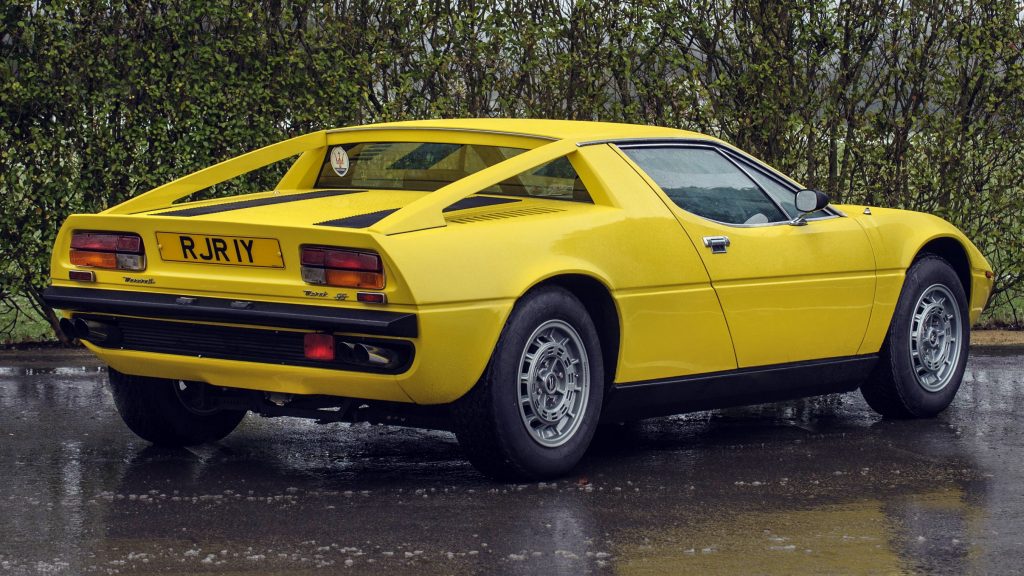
x=907, y=104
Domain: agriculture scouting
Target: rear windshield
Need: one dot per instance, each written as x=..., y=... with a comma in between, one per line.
x=418, y=166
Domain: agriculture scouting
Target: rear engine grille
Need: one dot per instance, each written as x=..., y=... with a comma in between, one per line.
x=266, y=346
x=503, y=214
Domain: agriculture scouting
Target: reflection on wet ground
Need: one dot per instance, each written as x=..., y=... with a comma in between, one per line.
x=816, y=486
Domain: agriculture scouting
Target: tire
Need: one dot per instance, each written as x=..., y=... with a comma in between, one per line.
x=156, y=412
x=546, y=435
x=918, y=373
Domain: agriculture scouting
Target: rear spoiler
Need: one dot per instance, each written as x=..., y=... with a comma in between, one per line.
x=421, y=214
x=312, y=147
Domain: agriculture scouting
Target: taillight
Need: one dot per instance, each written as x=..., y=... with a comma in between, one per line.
x=112, y=250
x=342, y=267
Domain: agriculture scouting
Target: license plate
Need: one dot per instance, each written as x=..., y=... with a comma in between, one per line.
x=230, y=250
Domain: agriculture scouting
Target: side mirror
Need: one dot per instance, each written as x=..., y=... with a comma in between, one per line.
x=810, y=201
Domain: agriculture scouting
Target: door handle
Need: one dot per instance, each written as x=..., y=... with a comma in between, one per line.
x=718, y=244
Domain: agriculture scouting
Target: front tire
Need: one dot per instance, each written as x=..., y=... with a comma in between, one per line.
x=169, y=412
x=925, y=352
x=534, y=412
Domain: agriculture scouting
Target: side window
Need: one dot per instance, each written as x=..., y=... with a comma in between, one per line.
x=784, y=195
x=555, y=180
x=781, y=194
x=704, y=182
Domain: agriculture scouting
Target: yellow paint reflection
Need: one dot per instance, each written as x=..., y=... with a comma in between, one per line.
x=864, y=537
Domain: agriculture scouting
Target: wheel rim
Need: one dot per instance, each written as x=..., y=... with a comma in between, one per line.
x=935, y=338
x=554, y=383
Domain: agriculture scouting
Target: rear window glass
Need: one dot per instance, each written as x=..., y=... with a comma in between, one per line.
x=418, y=166
x=556, y=180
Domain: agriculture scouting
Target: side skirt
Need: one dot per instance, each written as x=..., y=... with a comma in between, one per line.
x=736, y=387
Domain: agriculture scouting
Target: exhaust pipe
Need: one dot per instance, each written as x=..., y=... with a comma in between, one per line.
x=67, y=327
x=370, y=355
x=97, y=332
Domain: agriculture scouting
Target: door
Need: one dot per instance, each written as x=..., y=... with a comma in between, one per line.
x=789, y=292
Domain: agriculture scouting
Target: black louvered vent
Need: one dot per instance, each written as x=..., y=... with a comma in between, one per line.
x=245, y=344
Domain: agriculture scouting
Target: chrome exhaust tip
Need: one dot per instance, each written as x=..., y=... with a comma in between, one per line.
x=374, y=355
x=97, y=332
x=370, y=355
x=67, y=327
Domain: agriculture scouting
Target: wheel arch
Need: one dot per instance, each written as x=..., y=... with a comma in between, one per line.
x=900, y=238
x=600, y=305
x=951, y=250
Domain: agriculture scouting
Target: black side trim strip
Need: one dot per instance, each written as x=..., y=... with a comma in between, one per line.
x=478, y=202
x=242, y=204
x=207, y=309
x=359, y=220
x=737, y=387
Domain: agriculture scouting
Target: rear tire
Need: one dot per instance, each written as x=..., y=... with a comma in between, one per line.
x=155, y=409
x=925, y=352
x=534, y=412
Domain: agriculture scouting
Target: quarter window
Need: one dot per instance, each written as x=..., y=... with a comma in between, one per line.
x=704, y=182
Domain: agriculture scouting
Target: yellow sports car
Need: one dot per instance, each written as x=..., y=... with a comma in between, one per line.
x=518, y=282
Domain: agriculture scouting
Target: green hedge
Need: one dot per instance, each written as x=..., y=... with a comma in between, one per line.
x=915, y=105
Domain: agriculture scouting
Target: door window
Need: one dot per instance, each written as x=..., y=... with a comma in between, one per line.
x=704, y=182
x=784, y=195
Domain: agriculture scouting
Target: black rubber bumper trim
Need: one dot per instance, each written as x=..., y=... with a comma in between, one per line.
x=207, y=309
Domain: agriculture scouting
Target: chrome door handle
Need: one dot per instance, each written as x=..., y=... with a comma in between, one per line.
x=718, y=244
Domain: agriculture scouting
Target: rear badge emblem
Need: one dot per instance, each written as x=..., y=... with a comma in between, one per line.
x=339, y=160
x=133, y=280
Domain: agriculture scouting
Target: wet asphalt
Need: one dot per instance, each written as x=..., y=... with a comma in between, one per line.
x=813, y=486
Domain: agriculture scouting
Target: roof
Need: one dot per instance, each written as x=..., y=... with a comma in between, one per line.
x=553, y=129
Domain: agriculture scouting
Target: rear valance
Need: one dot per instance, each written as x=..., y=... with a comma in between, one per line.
x=207, y=309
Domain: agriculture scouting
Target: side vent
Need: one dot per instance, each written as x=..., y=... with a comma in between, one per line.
x=503, y=214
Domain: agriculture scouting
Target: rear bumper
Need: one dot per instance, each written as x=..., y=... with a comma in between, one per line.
x=451, y=343
x=234, y=311
x=263, y=377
